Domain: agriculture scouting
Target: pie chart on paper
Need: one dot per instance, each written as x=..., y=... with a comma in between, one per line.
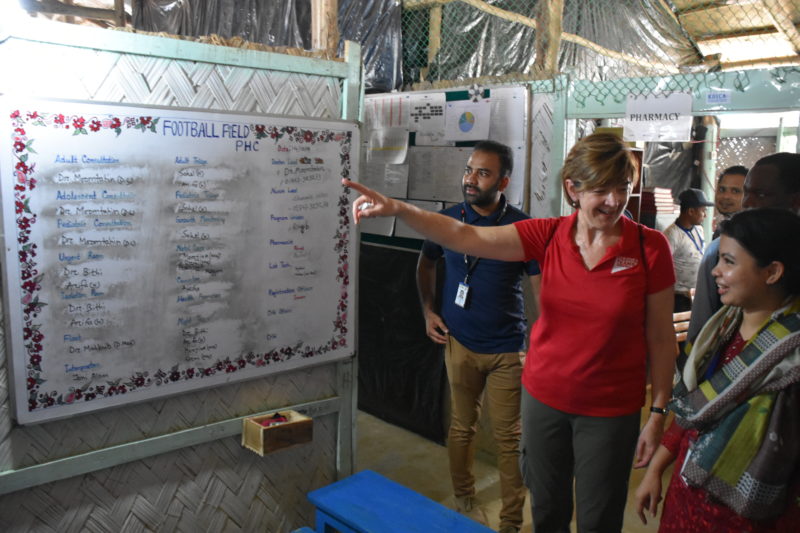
x=466, y=121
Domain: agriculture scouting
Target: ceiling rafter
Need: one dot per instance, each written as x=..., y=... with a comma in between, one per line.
x=116, y=15
x=712, y=5
x=753, y=32
x=780, y=13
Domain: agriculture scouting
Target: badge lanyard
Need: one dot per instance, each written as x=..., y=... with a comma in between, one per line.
x=463, y=287
x=688, y=232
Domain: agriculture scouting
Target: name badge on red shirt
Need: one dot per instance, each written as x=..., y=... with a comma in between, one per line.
x=623, y=263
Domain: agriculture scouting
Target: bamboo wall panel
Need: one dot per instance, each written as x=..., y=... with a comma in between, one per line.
x=217, y=486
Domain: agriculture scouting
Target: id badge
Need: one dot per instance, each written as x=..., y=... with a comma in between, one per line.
x=461, y=294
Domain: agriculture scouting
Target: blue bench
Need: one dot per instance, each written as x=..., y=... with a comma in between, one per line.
x=367, y=502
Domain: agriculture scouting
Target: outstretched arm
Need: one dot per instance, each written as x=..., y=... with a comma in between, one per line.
x=492, y=242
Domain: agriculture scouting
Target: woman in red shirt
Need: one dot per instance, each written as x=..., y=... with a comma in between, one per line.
x=735, y=435
x=605, y=321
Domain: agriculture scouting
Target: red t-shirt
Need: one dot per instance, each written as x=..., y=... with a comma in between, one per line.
x=587, y=354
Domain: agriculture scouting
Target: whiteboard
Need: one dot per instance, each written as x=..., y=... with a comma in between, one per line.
x=151, y=251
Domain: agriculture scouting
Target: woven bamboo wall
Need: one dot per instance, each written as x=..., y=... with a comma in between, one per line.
x=211, y=487
x=541, y=185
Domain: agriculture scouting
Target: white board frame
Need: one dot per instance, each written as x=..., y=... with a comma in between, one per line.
x=21, y=369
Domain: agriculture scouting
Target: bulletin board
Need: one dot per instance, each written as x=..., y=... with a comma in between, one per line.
x=151, y=251
x=417, y=143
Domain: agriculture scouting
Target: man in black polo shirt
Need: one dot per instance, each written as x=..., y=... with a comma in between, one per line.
x=482, y=324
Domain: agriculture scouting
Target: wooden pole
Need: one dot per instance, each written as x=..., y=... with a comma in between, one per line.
x=548, y=37
x=434, y=39
x=119, y=10
x=571, y=37
x=325, y=25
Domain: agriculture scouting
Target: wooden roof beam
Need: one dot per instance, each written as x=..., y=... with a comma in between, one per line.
x=54, y=7
x=754, y=32
x=424, y=4
x=713, y=4
x=667, y=9
x=780, y=11
x=570, y=37
x=762, y=62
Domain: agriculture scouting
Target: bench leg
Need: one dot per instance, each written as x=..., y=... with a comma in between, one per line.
x=328, y=524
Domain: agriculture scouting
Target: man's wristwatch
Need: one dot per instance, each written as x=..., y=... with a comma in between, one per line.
x=659, y=410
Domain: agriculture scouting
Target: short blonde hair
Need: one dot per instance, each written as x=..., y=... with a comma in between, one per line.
x=599, y=160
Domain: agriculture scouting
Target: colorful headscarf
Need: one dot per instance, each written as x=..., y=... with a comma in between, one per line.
x=747, y=412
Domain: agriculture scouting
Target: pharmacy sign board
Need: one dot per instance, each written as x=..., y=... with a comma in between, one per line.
x=658, y=117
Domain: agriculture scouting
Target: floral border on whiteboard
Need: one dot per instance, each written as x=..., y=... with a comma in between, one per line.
x=24, y=170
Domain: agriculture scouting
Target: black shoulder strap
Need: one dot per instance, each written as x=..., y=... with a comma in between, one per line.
x=552, y=233
x=641, y=248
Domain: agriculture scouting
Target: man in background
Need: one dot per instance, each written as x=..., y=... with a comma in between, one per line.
x=774, y=181
x=686, y=239
x=729, y=194
x=482, y=325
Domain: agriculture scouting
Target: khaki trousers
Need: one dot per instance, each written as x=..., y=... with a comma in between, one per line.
x=469, y=373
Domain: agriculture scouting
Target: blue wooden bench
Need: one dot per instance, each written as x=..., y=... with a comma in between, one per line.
x=367, y=502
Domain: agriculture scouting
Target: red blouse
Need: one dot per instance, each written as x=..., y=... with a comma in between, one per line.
x=689, y=510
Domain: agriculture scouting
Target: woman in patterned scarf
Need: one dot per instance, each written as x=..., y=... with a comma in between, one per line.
x=736, y=433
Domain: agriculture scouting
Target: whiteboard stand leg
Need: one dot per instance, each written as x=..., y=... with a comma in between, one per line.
x=346, y=428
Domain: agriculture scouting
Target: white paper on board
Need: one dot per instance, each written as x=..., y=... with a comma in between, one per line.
x=387, y=146
x=386, y=111
x=466, y=120
x=396, y=180
x=515, y=187
x=426, y=112
x=508, y=126
x=432, y=138
x=402, y=229
x=435, y=172
x=507, y=121
x=391, y=180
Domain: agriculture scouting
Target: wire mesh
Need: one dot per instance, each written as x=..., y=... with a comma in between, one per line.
x=449, y=43
x=456, y=42
x=743, y=150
